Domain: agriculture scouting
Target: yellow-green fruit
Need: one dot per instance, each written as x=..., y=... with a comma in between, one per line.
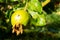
x=20, y=17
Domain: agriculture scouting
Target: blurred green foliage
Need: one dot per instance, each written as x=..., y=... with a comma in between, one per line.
x=44, y=23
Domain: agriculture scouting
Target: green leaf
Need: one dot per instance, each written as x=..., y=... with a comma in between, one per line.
x=3, y=27
x=33, y=14
x=8, y=13
x=14, y=0
x=35, y=5
x=1, y=1
x=40, y=21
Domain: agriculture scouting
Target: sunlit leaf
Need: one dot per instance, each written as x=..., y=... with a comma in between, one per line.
x=35, y=5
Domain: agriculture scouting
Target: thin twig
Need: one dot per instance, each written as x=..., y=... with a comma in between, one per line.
x=26, y=7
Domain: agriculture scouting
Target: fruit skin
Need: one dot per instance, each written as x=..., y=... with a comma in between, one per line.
x=20, y=16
